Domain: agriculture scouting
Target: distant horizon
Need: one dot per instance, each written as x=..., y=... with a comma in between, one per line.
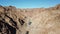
x=31, y=8
x=30, y=3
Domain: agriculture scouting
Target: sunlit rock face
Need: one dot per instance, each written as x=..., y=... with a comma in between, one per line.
x=29, y=21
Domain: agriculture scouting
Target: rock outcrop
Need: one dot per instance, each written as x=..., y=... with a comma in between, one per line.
x=29, y=21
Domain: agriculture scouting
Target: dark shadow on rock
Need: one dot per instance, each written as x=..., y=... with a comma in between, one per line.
x=21, y=21
x=9, y=29
x=12, y=21
x=27, y=32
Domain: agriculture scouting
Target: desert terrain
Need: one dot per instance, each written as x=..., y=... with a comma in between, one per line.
x=29, y=21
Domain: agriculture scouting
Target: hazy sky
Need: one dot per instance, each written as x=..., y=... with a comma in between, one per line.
x=29, y=3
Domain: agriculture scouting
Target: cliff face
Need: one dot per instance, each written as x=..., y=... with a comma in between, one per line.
x=29, y=21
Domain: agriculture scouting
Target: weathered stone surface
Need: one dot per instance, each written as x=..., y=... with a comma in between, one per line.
x=29, y=21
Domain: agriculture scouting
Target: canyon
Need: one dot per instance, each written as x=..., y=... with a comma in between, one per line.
x=29, y=21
